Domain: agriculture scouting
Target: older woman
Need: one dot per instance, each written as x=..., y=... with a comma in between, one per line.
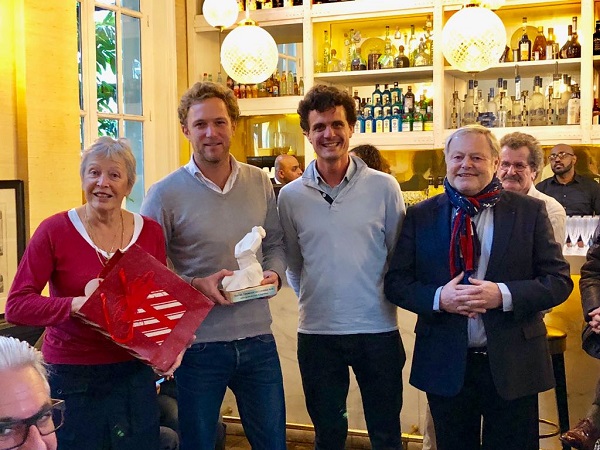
x=110, y=397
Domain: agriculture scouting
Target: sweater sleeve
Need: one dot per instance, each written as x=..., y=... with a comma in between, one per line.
x=272, y=246
x=25, y=304
x=292, y=246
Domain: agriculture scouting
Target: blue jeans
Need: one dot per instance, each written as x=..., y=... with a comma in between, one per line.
x=377, y=360
x=250, y=368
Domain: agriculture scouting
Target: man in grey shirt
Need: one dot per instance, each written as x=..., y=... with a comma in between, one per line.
x=205, y=208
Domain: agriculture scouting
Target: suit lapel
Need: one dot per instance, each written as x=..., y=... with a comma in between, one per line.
x=504, y=221
x=442, y=215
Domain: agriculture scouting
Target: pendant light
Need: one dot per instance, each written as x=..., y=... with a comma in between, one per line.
x=220, y=14
x=473, y=39
x=249, y=54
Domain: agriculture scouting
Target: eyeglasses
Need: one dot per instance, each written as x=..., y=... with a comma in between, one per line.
x=13, y=434
x=517, y=167
x=559, y=155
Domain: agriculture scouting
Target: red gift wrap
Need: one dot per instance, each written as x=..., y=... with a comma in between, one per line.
x=144, y=307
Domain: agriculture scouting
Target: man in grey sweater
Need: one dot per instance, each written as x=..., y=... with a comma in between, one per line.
x=205, y=208
x=341, y=220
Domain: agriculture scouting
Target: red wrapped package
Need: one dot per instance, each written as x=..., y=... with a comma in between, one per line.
x=144, y=307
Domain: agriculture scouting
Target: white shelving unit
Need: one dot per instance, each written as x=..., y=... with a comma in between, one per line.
x=305, y=24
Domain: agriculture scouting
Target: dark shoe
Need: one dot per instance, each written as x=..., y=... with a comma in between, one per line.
x=583, y=436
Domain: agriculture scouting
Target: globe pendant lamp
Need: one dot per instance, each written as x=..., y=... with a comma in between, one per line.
x=220, y=14
x=249, y=54
x=473, y=39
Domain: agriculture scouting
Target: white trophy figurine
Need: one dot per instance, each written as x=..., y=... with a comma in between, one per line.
x=251, y=273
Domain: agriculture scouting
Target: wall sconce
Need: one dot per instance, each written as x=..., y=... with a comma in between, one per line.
x=249, y=54
x=474, y=38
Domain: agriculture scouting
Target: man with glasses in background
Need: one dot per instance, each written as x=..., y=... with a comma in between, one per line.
x=28, y=416
x=521, y=159
x=580, y=196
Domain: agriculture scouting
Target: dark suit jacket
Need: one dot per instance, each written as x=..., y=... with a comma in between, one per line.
x=524, y=256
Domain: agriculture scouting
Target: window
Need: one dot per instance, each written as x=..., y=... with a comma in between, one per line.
x=116, y=94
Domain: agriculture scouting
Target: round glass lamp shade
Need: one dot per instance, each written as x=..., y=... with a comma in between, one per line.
x=249, y=54
x=220, y=13
x=473, y=39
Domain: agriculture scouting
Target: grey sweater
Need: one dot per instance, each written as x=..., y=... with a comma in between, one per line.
x=201, y=229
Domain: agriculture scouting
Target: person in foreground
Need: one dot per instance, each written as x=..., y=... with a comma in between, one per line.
x=584, y=435
x=342, y=219
x=110, y=397
x=29, y=418
x=479, y=265
x=205, y=208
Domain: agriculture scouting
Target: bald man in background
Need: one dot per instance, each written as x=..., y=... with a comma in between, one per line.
x=287, y=169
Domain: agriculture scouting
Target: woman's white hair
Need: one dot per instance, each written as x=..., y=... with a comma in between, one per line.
x=16, y=354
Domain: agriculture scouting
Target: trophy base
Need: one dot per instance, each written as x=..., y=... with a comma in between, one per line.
x=251, y=293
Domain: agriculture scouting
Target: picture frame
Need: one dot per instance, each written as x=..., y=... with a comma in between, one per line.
x=12, y=234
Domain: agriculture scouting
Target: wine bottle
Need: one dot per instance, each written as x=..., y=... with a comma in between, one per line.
x=596, y=39
x=525, y=44
x=574, y=50
x=539, y=45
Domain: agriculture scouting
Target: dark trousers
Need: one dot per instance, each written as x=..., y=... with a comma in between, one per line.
x=506, y=425
x=377, y=360
x=107, y=406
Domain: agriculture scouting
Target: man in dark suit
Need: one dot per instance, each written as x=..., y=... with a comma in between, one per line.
x=479, y=265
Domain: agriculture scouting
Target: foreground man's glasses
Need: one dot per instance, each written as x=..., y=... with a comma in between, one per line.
x=13, y=434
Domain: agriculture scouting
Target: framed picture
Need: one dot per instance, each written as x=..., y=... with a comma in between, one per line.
x=12, y=233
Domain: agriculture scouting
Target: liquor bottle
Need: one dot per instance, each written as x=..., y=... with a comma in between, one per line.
x=421, y=58
x=525, y=44
x=283, y=85
x=551, y=116
x=369, y=124
x=242, y=91
x=551, y=45
x=407, y=120
x=301, y=86
x=562, y=103
x=564, y=48
x=502, y=111
x=219, y=78
x=398, y=104
x=205, y=77
x=539, y=45
x=427, y=113
x=378, y=122
x=359, y=126
x=498, y=90
x=387, y=123
x=290, y=83
x=417, y=118
x=469, y=114
x=524, y=108
x=367, y=108
x=334, y=63
x=507, y=103
x=455, y=112
x=397, y=34
x=596, y=39
x=326, y=49
x=377, y=107
x=396, y=122
x=386, y=61
x=491, y=112
x=574, y=106
x=276, y=92
x=401, y=60
x=412, y=46
x=516, y=111
x=537, y=104
x=376, y=95
x=296, y=85
x=386, y=95
x=356, y=101
x=210, y=77
x=396, y=94
x=409, y=101
x=574, y=50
